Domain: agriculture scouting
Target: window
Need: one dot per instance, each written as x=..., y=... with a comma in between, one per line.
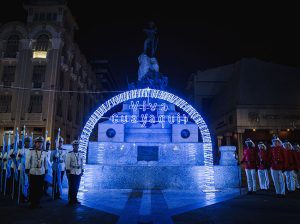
x=35, y=105
x=12, y=46
x=54, y=16
x=77, y=116
x=42, y=16
x=5, y=103
x=71, y=88
x=38, y=76
x=59, y=107
x=49, y=16
x=206, y=102
x=61, y=80
x=41, y=46
x=35, y=17
x=69, y=114
x=8, y=76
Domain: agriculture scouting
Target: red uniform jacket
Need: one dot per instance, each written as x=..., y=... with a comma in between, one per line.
x=277, y=158
x=290, y=160
x=263, y=159
x=297, y=157
x=250, y=158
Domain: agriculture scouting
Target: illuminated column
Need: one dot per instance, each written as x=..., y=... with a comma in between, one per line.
x=52, y=72
x=21, y=79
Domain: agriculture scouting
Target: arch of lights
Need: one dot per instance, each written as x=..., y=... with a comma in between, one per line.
x=156, y=94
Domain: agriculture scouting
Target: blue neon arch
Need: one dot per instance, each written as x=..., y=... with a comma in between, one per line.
x=156, y=94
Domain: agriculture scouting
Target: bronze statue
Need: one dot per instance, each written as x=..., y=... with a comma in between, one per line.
x=152, y=39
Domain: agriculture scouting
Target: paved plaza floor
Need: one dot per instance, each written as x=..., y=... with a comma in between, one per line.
x=159, y=207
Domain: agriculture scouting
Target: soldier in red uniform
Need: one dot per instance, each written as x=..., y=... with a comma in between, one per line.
x=297, y=167
x=250, y=160
x=290, y=166
x=263, y=166
x=278, y=162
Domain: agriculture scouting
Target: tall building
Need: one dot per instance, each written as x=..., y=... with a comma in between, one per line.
x=44, y=78
x=250, y=98
x=103, y=73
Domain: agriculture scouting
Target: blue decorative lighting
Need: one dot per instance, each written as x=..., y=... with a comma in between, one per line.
x=162, y=95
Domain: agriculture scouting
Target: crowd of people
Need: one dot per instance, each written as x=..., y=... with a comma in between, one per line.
x=29, y=167
x=282, y=159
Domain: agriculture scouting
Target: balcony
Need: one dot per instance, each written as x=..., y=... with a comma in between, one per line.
x=7, y=84
x=5, y=116
x=33, y=116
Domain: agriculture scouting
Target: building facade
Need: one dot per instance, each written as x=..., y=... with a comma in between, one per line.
x=250, y=98
x=45, y=81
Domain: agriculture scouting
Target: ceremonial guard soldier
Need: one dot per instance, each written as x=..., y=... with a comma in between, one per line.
x=36, y=167
x=1, y=168
x=48, y=176
x=278, y=161
x=58, y=158
x=263, y=166
x=23, y=177
x=250, y=159
x=290, y=166
x=297, y=167
x=4, y=171
x=11, y=169
x=74, y=167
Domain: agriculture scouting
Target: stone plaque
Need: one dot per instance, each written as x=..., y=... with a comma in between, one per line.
x=147, y=153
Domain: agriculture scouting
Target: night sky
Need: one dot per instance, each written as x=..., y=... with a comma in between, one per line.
x=190, y=37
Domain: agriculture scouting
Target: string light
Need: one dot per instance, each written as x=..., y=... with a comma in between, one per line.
x=58, y=91
x=162, y=95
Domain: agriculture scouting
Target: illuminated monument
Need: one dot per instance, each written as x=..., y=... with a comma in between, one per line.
x=153, y=142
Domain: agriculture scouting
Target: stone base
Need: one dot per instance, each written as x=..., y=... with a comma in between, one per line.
x=157, y=177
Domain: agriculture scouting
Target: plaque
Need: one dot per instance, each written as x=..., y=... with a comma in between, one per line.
x=147, y=153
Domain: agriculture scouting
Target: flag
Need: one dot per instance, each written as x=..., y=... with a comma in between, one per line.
x=3, y=152
x=59, y=184
x=48, y=176
x=31, y=141
x=8, y=164
x=16, y=143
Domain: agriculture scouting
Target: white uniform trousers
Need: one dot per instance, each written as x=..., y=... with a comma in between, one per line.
x=290, y=180
x=251, y=179
x=263, y=178
x=278, y=180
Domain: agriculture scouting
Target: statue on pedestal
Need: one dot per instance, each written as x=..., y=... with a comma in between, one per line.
x=148, y=73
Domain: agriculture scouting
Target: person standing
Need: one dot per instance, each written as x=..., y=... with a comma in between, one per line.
x=278, y=161
x=250, y=159
x=74, y=169
x=290, y=166
x=36, y=167
x=58, y=158
x=263, y=166
x=48, y=176
x=23, y=178
x=297, y=166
